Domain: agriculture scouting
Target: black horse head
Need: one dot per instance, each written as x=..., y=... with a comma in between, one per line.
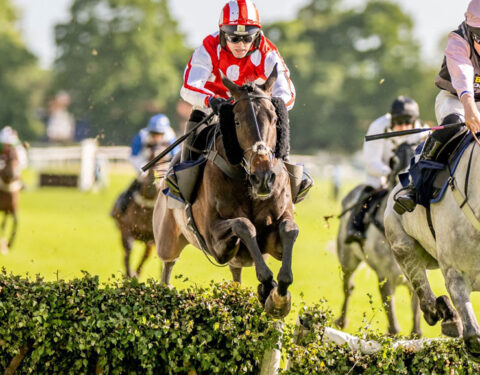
x=400, y=161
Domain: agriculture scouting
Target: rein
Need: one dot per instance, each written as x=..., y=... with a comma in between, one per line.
x=260, y=147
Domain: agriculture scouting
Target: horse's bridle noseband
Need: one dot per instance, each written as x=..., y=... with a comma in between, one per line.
x=260, y=147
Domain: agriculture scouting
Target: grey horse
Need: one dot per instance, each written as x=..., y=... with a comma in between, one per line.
x=456, y=251
x=376, y=252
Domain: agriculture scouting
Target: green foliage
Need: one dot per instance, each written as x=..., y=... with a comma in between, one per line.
x=347, y=67
x=20, y=78
x=316, y=356
x=78, y=327
x=120, y=60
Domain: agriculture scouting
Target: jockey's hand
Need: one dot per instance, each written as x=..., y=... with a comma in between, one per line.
x=216, y=103
x=472, y=115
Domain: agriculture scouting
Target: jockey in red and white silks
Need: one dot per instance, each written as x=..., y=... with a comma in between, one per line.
x=202, y=78
x=459, y=77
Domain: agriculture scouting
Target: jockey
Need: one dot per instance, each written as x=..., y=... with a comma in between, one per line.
x=8, y=135
x=241, y=52
x=404, y=115
x=157, y=135
x=459, y=97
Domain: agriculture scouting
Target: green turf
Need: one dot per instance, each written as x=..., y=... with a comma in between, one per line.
x=63, y=231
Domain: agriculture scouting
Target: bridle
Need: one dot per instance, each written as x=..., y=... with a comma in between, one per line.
x=259, y=147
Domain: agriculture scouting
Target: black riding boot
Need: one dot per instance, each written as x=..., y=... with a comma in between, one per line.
x=355, y=225
x=187, y=152
x=127, y=195
x=406, y=199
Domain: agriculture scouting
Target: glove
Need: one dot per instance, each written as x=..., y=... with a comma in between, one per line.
x=215, y=103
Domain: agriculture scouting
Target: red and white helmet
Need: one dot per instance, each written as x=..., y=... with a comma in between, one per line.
x=239, y=12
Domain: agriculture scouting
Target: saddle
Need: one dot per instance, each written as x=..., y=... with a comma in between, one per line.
x=431, y=177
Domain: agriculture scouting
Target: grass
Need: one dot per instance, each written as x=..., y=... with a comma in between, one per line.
x=63, y=231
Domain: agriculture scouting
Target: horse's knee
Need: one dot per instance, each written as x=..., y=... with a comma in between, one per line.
x=242, y=227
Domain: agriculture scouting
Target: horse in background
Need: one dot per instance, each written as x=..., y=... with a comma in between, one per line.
x=451, y=242
x=10, y=186
x=375, y=251
x=136, y=222
x=243, y=209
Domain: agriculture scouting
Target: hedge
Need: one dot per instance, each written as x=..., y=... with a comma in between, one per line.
x=312, y=355
x=127, y=327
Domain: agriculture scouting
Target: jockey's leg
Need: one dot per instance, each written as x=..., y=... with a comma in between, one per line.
x=299, y=190
x=305, y=185
x=355, y=225
x=187, y=145
x=406, y=199
x=127, y=195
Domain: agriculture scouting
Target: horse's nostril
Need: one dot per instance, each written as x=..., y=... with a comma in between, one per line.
x=272, y=178
x=254, y=180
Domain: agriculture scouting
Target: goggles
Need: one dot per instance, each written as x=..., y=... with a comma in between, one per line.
x=240, y=38
x=476, y=38
x=407, y=120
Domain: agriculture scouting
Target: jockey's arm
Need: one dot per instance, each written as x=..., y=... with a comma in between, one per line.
x=197, y=72
x=283, y=87
x=373, y=151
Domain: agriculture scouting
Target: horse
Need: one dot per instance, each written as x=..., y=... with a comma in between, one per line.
x=136, y=222
x=451, y=243
x=375, y=251
x=243, y=210
x=10, y=186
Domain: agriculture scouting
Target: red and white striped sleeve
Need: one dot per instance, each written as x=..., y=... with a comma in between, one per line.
x=283, y=86
x=197, y=72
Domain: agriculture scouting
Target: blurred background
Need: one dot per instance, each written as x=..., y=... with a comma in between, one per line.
x=79, y=78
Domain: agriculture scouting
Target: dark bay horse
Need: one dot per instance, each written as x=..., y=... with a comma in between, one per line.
x=10, y=186
x=245, y=214
x=375, y=251
x=136, y=222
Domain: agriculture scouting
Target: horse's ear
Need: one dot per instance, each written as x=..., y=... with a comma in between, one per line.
x=232, y=87
x=272, y=78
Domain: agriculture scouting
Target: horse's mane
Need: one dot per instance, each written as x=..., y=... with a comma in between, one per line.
x=232, y=148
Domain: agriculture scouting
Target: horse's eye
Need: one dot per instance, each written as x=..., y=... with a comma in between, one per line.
x=237, y=123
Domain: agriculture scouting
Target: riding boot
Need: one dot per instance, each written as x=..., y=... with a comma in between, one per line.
x=127, y=195
x=355, y=225
x=406, y=199
x=305, y=186
x=187, y=145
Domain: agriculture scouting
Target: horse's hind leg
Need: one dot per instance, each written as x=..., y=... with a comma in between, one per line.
x=146, y=254
x=387, y=288
x=14, y=229
x=236, y=273
x=127, y=242
x=349, y=263
x=416, y=329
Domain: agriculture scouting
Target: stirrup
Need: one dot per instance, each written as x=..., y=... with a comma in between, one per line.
x=305, y=185
x=399, y=206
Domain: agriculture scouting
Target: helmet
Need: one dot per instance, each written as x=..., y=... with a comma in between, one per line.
x=8, y=135
x=472, y=15
x=239, y=13
x=158, y=124
x=404, y=107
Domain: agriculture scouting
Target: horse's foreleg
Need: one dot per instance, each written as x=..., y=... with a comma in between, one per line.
x=288, y=232
x=14, y=229
x=167, y=272
x=148, y=251
x=417, y=329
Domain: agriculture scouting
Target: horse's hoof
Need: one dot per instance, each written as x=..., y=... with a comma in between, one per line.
x=264, y=291
x=278, y=306
x=452, y=327
x=3, y=246
x=341, y=323
x=473, y=347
